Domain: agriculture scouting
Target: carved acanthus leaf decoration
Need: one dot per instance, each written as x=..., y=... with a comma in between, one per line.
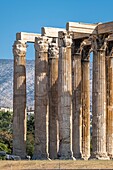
x=98, y=42
x=109, y=51
x=65, y=39
x=53, y=50
x=19, y=48
x=41, y=44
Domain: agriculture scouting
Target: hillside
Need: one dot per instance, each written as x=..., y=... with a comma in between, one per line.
x=6, y=82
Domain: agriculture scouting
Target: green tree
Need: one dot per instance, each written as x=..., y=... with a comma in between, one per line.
x=30, y=144
x=30, y=135
x=4, y=147
x=6, y=138
x=6, y=131
x=6, y=119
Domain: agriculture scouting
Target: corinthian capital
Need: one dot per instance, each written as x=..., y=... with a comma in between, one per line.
x=41, y=44
x=53, y=50
x=109, y=51
x=64, y=39
x=99, y=42
x=19, y=48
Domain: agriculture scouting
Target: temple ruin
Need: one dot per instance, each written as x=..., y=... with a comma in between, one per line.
x=62, y=92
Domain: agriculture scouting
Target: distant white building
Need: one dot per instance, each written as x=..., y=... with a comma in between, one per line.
x=6, y=109
x=30, y=112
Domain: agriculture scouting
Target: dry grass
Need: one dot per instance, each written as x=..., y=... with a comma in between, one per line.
x=33, y=165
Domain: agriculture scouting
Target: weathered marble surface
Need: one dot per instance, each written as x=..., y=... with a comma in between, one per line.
x=19, y=99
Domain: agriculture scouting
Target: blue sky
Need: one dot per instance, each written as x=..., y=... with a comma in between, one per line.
x=31, y=15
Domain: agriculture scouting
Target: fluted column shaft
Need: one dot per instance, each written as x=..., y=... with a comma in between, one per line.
x=99, y=103
x=19, y=99
x=53, y=100
x=109, y=80
x=85, y=109
x=65, y=96
x=41, y=98
x=77, y=105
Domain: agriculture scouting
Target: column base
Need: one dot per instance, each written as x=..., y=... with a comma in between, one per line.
x=77, y=156
x=40, y=157
x=22, y=155
x=85, y=157
x=110, y=156
x=99, y=156
x=53, y=158
x=66, y=158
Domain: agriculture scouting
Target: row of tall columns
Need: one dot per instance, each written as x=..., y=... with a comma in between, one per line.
x=58, y=96
x=46, y=99
x=62, y=99
x=83, y=120
x=62, y=116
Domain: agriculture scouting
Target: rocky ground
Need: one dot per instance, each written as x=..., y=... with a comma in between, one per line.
x=57, y=164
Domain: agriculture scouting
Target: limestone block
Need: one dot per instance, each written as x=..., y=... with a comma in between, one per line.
x=50, y=31
x=81, y=27
x=27, y=37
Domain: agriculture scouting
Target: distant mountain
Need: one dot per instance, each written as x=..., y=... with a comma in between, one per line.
x=6, y=82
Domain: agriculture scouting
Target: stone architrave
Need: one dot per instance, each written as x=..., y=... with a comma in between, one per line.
x=27, y=37
x=19, y=99
x=99, y=99
x=53, y=99
x=85, y=102
x=41, y=98
x=76, y=99
x=65, y=96
x=109, y=96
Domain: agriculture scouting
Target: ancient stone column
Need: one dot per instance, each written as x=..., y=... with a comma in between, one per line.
x=53, y=99
x=19, y=99
x=85, y=103
x=65, y=96
x=77, y=100
x=109, y=82
x=99, y=100
x=41, y=98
